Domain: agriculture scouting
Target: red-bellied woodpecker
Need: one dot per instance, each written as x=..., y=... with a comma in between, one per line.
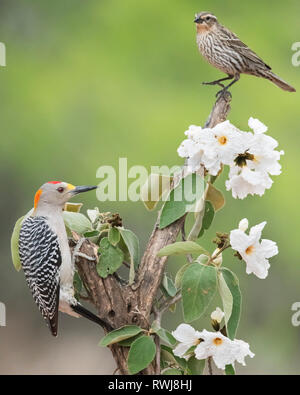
x=45, y=254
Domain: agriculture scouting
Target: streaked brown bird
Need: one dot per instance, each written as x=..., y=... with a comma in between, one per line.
x=225, y=51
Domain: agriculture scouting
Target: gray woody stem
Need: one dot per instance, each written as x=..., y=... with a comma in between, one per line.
x=118, y=304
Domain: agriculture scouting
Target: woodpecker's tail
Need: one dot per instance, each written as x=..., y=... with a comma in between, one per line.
x=79, y=309
x=278, y=81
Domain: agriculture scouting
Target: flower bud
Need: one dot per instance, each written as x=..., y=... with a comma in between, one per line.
x=216, y=318
x=219, y=259
x=243, y=225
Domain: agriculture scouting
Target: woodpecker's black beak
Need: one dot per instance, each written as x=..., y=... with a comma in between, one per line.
x=84, y=188
x=198, y=19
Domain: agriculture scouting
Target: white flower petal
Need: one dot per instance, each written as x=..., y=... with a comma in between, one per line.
x=243, y=225
x=256, y=231
x=269, y=248
x=257, y=126
x=185, y=334
x=239, y=240
x=217, y=315
x=180, y=350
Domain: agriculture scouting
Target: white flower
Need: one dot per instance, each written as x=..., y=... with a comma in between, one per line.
x=250, y=174
x=243, y=225
x=217, y=315
x=210, y=344
x=253, y=251
x=257, y=126
x=211, y=147
x=223, y=350
x=187, y=337
x=251, y=155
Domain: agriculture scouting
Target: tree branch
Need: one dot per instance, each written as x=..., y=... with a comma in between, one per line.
x=118, y=304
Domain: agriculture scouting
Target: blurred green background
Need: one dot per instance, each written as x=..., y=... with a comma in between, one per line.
x=90, y=81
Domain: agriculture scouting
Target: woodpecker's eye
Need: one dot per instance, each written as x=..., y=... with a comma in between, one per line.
x=207, y=18
x=60, y=189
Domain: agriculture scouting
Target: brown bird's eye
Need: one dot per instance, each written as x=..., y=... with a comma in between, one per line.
x=60, y=189
x=207, y=18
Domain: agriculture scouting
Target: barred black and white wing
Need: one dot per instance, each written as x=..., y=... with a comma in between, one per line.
x=41, y=259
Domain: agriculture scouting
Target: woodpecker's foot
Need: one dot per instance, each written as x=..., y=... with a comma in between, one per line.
x=77, y=253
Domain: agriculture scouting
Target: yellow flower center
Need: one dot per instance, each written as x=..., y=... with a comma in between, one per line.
x=249, y=250
x=217, y=341
x=222, y=140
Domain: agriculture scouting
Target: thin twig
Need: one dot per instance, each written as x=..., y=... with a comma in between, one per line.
x=157, y=356
x=189, y=257
x=126, y=264
x=218, y=253
x=209, y=363
x=164, y=306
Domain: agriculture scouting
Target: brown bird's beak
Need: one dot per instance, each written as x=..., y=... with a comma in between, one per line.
x=198, y=19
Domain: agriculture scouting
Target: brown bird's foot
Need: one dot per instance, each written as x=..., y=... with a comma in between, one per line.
x=218, y=82
x=225, y=89
x=214, y=83
x=223, y=92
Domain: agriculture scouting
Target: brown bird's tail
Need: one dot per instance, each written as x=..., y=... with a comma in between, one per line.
x=278, y=81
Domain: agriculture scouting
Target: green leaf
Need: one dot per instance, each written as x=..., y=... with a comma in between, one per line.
x=171, y=372
x=169, y=286
x=226, y=297
x=233, y=285
x=166, y=336
x=182, y=199
x=167, y=355
x=190, y=350
x=14, y=244
x=229, y=370
x=216, y=197
x=208, y=217
x=181, y=248
x=154, y=188
x=77, y=282
x=163, y=334
x=118, y=335
x=128, y=342
x=73, y=207
x=199, y=286
x=110, y=260
x=172, y=308
x=141, y=354
x=93, y=233
x=196, y=366
x=203, y=259
x=132, y=243
x=114, y=236
x=179, y=275
x=77, y=222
